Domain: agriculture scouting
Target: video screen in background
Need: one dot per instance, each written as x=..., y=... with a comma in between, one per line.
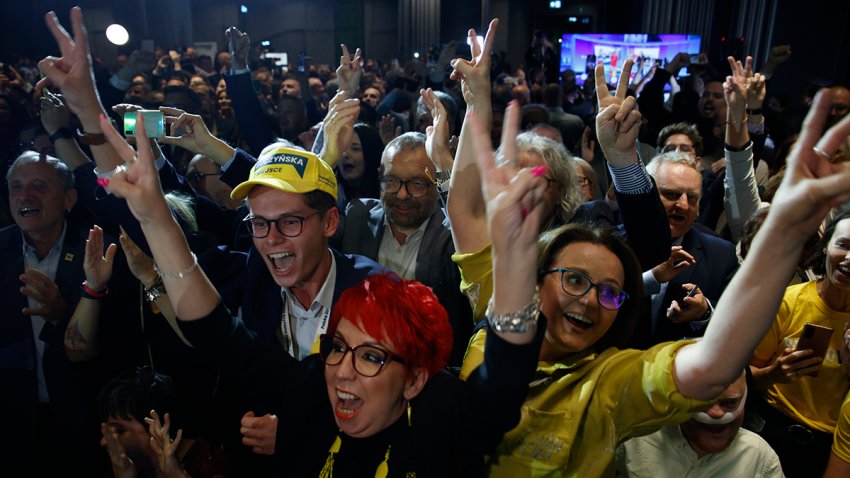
x=581, y=52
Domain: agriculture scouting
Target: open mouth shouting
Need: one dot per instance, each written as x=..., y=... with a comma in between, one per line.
x=347, y=405
x=282, y=261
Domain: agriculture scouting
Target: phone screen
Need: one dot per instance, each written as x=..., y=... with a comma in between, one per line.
x=154, y=123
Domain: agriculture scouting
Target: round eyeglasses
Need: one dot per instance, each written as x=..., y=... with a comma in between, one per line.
x=415, y=187
x=684, y=148
x=288, y=225
x=368, y=360
x=578, y=283
x=196, y=177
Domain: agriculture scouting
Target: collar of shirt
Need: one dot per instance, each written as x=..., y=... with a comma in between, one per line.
x=420, y=231
x=50, y=263
x=323, y=299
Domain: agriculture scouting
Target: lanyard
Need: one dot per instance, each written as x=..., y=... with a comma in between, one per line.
x=287, y=329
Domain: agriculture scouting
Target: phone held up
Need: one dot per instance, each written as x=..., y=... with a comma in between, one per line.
x=154, y=123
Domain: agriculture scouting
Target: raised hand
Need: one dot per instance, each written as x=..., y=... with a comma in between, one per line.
x=812, y=184
x=388, y=130
x=618, y=120
x=691, y=308
x=195, y=137
x=239, y=44
x=339, y=127
x=349, y=71
x=137, y=180
x=97, y=264
x=54, y=113
x=72, y=72
x=141, y=265
x=437, y=142
x=39, y=287
x=167, y=464
x=475, y=73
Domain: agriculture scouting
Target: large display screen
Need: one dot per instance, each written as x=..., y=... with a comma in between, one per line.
x=581, y=52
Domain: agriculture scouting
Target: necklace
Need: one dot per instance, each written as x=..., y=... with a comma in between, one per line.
x=328, y=469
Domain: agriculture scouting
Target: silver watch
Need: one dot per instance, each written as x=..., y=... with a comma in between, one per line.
x=443, y=180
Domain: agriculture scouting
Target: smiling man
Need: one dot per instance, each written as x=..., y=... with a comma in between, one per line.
x=712, y=443
x=407, y=231
x=293, y=278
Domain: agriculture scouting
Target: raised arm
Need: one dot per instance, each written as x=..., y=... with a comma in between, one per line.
x=741, y=198
x=81, y=332
x=338, y=127
x=56, y=120
x=437, y=144
x=72, y=74
x=811, y=186
x=465, y=205
x=191, y=293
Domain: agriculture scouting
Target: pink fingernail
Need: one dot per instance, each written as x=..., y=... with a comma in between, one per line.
x=103, y=182
x=539, y=171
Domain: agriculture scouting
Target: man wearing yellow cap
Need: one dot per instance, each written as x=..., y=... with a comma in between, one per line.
x=291, y=195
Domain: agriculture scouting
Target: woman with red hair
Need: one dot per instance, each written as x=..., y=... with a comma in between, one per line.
x=388, y=409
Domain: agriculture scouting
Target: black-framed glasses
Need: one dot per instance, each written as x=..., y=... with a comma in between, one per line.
x=368, y=359
x=289, y=225
x=577, y=283
x=196, y=177
x=415, y=187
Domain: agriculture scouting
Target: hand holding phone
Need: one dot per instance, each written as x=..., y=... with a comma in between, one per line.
x=815, y=337
x=154, y=123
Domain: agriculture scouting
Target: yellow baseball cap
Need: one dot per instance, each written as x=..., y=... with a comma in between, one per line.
x=290, y=170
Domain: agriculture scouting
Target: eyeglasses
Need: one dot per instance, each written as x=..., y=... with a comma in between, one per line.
x=415, y=187
x=368, y=360
x=195, y=177
x=578, y=284
x=685, y=148
x=288, y=225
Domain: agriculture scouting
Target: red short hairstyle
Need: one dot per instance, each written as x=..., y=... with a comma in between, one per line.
x=405, y=312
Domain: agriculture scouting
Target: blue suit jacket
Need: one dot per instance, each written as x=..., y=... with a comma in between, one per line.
x=716, y=262
x=362, y=233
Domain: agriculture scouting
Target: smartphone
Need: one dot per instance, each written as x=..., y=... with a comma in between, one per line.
x=815, y=337
x=154, y=123
x=689, y=294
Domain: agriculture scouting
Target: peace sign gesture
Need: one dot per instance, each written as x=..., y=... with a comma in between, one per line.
x=475, y=73
x=618, y=120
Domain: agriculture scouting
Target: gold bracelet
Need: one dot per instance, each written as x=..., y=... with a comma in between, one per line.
x=181, y=274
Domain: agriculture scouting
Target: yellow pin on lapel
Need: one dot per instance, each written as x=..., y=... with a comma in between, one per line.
x=69, y=257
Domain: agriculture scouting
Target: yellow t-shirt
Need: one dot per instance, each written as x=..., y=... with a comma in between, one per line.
x=476, y=278
x=576, y=414
x=841, y=442
x=813, y=401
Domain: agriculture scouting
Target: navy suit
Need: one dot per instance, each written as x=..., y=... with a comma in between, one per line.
x=362, y=233
x=648, y=230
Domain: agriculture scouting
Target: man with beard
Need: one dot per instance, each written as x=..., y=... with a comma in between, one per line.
x=407, y=231
x=712, y=443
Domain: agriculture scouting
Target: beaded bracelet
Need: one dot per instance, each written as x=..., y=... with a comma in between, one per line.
x=520, y=322
x=181, y=274
x=89, y=293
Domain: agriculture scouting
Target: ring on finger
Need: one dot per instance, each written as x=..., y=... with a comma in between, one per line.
x=820, y=152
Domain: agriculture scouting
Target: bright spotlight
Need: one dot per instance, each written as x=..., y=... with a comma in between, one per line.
x=117, y=34
x=416, y=54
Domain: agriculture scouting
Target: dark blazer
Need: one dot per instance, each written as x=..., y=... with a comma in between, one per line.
x=71, y=386
x=362, y=232
x=716, y=262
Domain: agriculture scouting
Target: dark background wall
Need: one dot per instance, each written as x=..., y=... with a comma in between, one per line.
x=816, y=29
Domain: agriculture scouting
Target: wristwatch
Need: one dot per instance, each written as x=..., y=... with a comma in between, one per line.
x=156, y=289
x=443, y=180
x=62, y=133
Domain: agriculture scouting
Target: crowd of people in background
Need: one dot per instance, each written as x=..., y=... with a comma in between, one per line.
x=534, y=277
